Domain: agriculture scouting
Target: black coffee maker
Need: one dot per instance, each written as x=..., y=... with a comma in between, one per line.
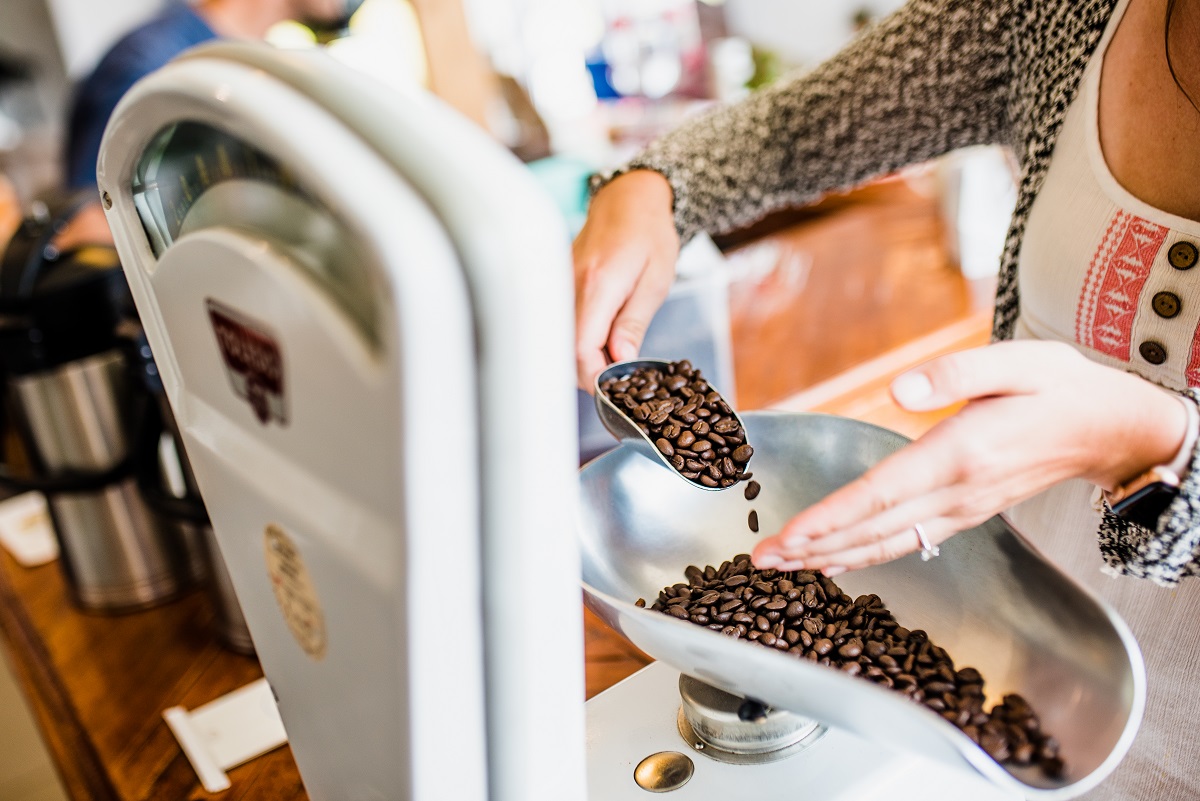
x=84, y=420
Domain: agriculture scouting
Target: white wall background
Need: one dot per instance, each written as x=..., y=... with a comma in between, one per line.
x=803, y=32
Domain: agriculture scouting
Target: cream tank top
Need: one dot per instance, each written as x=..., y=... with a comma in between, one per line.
x=1120, y=281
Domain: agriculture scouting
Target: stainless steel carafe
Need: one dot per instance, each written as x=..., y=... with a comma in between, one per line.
x=74, y=394
x=74, y=422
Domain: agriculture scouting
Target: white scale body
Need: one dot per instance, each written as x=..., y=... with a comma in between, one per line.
x=361, y=309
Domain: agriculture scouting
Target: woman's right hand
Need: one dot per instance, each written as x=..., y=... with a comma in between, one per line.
x=624, y=266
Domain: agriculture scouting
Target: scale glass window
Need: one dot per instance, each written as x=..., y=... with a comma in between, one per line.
x=193, y=176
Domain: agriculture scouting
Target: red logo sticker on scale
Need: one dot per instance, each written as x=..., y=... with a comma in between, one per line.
x=253, y=361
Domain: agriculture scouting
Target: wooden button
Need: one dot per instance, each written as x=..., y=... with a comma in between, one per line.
x=1183, y=255
x=1165, y=304
x=1153, y=352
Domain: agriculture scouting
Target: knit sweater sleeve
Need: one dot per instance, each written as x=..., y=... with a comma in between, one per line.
x=1170, y=552
x=930, y=78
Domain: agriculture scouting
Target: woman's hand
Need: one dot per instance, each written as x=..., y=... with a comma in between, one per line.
x=1036, y=413
x=624, y=265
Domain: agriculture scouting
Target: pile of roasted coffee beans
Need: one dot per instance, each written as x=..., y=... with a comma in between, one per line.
x=805, y=614
x=687, y=420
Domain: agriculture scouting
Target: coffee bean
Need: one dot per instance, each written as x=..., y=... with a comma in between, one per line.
x=851, y=649
x=1052, y=767
x=806, y=614
x=685, y=440
x=665, y=447
x=708, y=480
x=752, y=490
x=742, y=454
x=969, y=676
x=752, y=521
x=995, y=745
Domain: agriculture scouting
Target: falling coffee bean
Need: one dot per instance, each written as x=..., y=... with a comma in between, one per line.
x=752, y=521
x=752, y=490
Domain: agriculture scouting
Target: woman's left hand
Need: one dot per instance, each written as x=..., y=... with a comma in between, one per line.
x=1036, y=413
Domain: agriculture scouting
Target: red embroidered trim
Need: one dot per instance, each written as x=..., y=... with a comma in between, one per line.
x=1109, y=300
x=1193, y=369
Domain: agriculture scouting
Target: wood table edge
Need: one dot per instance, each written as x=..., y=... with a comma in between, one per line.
x=83, y=773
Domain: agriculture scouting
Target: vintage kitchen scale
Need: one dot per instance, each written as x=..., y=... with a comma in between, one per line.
x=361, y=309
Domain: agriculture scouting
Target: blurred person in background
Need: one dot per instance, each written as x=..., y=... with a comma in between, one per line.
x=146, y=48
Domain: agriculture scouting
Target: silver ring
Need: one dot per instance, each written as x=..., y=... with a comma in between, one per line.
x=927, y=551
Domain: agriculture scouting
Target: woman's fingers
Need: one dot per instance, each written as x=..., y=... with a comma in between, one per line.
x=1000, y=369
x=629, y=326
x=599, y=296
x=912, y=473
x=899, y=543
x=875, y=529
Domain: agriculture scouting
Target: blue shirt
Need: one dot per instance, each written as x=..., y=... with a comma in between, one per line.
x=136, y=55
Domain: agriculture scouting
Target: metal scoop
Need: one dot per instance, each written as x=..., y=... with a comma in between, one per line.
x=626, y=429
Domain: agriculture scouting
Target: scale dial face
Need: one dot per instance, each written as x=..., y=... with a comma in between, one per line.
x=194, y=176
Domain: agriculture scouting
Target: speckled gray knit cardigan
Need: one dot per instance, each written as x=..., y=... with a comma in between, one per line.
x=935, y=76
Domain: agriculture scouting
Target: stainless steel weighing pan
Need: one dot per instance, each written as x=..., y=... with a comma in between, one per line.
x=991, y=600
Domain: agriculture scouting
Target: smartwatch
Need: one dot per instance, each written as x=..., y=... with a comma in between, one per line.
x=1144, y=499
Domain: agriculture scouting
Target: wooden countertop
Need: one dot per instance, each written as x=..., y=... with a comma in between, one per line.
x=98, y=684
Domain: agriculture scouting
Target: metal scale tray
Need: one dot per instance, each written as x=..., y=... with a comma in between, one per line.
x=991, y=600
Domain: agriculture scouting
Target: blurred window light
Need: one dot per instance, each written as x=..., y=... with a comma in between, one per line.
x=383, y=40
x=560, y=86
x=291, y=35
